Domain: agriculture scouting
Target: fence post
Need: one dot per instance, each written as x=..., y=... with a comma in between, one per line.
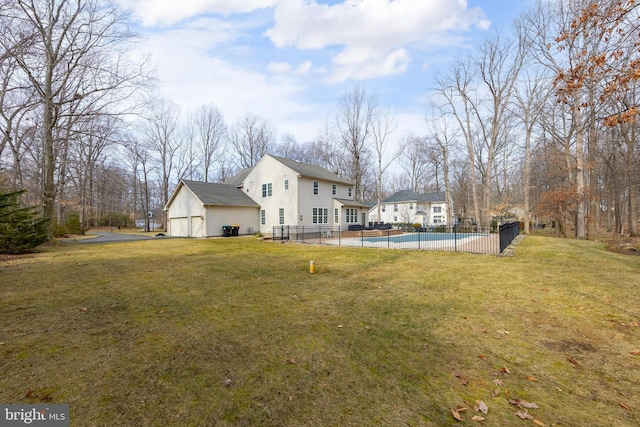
x=455, y=238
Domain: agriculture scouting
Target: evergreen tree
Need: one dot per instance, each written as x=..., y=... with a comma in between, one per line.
x=20, y=229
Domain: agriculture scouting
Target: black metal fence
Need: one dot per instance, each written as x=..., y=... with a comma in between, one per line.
x=508, y=232
x=491, y=239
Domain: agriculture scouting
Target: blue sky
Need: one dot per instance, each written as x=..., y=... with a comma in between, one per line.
x=290, y=61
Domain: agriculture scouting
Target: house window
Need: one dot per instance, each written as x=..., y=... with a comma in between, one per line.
x=315, y=188
x=395, y=207
x=352, y=215
x=395, y=218
x=410, y=205
x=437, y=219
x=336, y=215
x=263, y=217
x=320, y=215
x=281, y=215
x=267, y=190
x=437, y=209
x=334, y=189
x=286, y=184
x=383, y=208
x=349, y=191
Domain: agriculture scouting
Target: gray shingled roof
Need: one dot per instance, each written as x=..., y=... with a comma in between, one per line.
x=349, y=202
x=219, y=194
x=305, y=169
x=238, y=178
x=410, y=195
x=312, y=171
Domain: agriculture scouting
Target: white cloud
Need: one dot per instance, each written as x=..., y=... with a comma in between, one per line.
x=204, y=55
x=165, y=13
x=279, y=67
x=304, y=68
x=375, y=35
x=191, y=76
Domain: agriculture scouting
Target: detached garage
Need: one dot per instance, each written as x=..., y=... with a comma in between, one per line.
x=201, y=209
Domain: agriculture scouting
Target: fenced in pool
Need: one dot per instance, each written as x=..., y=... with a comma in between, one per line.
x=458, y=239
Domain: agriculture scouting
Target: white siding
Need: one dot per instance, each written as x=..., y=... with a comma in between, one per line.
x=324, y=199
x=268, y=170
x=218, y=216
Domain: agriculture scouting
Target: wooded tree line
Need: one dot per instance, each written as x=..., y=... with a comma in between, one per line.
x=541, y=116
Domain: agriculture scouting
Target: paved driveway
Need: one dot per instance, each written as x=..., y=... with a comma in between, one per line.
x=105, y=237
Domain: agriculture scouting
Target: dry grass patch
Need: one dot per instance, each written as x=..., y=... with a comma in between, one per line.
x=237, y=332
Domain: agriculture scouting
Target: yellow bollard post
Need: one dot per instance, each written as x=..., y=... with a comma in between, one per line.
x=312, y=266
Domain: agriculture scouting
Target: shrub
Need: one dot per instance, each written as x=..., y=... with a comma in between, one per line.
x=20, y=229
x=72, y=225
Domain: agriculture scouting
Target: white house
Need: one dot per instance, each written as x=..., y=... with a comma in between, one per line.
x=276, y=191
x=411, y=207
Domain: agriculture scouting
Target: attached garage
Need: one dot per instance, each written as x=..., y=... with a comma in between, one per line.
x=201, y=209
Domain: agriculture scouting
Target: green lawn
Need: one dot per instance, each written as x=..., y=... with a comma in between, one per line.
x=237, y=332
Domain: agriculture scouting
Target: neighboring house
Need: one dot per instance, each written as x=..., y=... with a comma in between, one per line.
x=201, y=209
x=282, y=192
x=411, y=207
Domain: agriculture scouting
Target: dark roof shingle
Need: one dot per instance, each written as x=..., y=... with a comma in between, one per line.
x=311, y=171
x=410, y=195
x=219, y=194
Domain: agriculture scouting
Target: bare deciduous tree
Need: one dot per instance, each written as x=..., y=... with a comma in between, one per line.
x=382, y=126
x=71, y=52
x=210, y=132
x=252, y=137
x=163, y=140
x=354, y=125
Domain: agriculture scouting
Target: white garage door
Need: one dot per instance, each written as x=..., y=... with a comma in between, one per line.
x=196, y=226
x=179, y=227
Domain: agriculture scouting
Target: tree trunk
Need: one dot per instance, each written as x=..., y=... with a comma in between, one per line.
x=580, y=186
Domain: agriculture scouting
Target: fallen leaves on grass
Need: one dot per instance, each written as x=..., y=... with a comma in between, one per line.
x=505, y=369
x=622, y=405
x=482, y=407
x=456, y=413
x=291, y=361
x=461, y=378
x=523, y=404
x=525, y=415
x=572, y=360
x=477, y=418
x=533, y=379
